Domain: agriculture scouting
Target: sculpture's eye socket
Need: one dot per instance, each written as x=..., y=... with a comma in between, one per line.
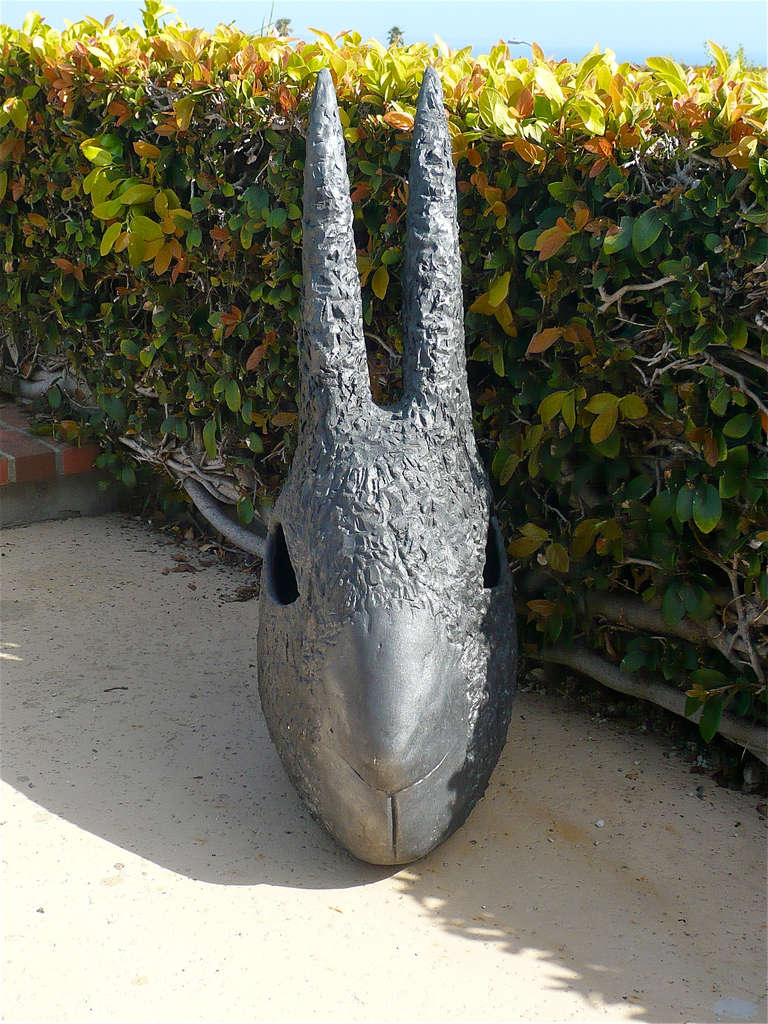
x=281, y=579
x=494, y=547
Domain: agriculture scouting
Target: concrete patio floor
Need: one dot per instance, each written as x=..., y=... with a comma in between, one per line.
x=157, y=865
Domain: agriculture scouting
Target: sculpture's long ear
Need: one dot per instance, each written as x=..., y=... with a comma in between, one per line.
x=333, y=364
x=434, y=366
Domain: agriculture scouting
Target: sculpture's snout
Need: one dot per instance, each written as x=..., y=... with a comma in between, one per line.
x=393, y=695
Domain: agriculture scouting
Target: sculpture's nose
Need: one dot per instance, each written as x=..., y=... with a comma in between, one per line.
x=394, y=697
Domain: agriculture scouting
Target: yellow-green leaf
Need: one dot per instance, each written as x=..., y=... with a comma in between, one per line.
x=523, y=547
x=95, y=153
x=603, y=425
x=591, y=114
x=183, y=110
x=583, y=537
x=569, y=410
x=108, y=210
x=557, y=557
x=548, y=84
x=16, y=108
x=602, y=402
x=550, y=406
x=380, y=282
x=508, y=469
x=109, y=236
x=3, y=183
x=499, y=290
x=137, y=194
x=632, y=407
x=532, y=530
x=146, y=229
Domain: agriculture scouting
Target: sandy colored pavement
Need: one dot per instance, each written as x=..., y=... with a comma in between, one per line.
x=157, y=865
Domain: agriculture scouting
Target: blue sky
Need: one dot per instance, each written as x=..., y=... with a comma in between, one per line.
x=634, y=29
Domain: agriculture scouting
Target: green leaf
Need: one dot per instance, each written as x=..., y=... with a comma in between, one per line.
x=232, y=396
x=684, y=504
x=670, y=72
x=245, y=510
x=129, y=348
x=498, y=361
x=647, y=229
x=569, y=410
x=209, y=438
x=708, y=678
x=692, y=705
x=738, y=335
x=707, y=507
x=738, y=426
x=632, y=661
x=672, y=607
x=619, y=241
x=54, y=396
x=508, y=469
x=710, y=718
x=661, y=508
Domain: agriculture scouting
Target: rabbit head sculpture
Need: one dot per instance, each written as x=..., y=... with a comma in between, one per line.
x=387, y=646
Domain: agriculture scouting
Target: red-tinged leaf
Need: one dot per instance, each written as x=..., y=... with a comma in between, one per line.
x=64, y=264
x=543, y=340
x=524, y=103
x=540, y=606
x=399, y=119
x=256, y=356
x=529, y=151
x=362, y=191
x=710, y=449
x=581, y=214
x=283, y=419
x=551, y=241
x=163, y=259
x=146, y=149
x=597, y=167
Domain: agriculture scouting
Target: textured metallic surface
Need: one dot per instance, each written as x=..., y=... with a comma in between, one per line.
x=387, y=645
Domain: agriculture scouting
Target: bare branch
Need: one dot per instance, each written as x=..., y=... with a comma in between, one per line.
x=216, y=515
x=746, y=734
x=739, y=378
x=608, y=300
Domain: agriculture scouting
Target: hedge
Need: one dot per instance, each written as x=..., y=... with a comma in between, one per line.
x=613, y=225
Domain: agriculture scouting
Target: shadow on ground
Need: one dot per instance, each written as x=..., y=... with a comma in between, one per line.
x=129, y=711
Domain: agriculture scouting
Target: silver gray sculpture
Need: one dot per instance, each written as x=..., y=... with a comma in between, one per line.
x=387, y=644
